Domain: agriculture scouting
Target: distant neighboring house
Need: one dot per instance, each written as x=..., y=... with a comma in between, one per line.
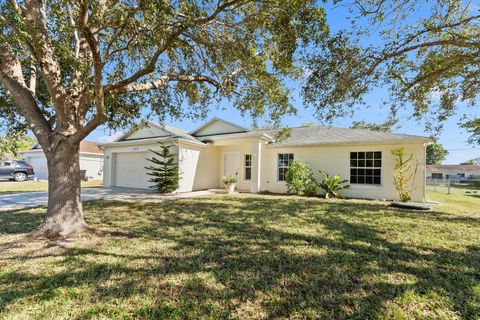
x=453, y=172
x=220, y=148
x=91, y=160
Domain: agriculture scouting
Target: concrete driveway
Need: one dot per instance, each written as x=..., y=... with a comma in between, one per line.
x=34, y=199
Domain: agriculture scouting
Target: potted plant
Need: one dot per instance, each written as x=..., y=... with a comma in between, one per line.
x=229, y=184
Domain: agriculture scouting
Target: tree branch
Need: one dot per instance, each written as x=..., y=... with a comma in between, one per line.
x=20, y=10
x=33, y=78
x=384, y=56
x=100, y=114
x=44, y=54
x=150, y=67
x=164, y=80
x=12, y=78
x=75, y=33
x=435, y=73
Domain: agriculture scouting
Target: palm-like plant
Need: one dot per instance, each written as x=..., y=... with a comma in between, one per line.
x=332, y=185
x=403, y=174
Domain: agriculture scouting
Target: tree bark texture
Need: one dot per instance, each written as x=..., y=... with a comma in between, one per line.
x=64, y=214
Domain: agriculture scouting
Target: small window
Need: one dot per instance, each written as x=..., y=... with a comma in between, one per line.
x=437, y=175
x=284, y=160
x=366, y=167
x=248, y=167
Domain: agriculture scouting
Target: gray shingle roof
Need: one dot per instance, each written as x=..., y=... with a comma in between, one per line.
x=309, y=135
x=312, y=135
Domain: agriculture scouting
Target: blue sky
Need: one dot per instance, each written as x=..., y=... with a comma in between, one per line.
x=453, y=138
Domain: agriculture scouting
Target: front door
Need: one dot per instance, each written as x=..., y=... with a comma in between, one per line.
x=231, y=165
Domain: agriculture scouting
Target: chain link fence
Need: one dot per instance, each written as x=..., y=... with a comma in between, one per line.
x=454, y=186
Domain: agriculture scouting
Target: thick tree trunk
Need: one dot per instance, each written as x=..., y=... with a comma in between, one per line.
x=64, y=214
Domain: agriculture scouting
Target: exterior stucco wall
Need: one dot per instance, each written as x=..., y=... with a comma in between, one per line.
x=335, y=160
x=198, y=168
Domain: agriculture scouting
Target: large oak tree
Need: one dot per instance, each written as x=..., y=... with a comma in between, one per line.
x=425, y=53
x=68, y=67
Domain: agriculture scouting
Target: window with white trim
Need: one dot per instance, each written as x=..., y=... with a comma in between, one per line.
x=366, y=167
x=284, y=160
x=248, y=167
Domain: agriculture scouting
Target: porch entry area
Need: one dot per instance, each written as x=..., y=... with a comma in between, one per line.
x=231, y=165
x=244, y=164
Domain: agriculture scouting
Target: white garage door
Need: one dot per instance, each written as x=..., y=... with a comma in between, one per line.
x=40, y=167
x=130, y=170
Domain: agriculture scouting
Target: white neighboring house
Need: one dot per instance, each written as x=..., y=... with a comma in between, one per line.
x=453, y=172
x=91, y=160
x=220, y=148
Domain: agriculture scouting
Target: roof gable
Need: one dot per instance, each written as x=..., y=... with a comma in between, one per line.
x=144, y=132
x=217, y=126
x=155, y=130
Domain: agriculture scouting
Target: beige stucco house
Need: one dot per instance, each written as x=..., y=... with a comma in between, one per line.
x=220, y=148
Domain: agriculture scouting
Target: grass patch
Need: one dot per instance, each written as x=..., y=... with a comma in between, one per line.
x=10, y=187
x=249, y=257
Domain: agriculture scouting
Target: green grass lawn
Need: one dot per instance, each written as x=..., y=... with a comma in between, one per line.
x=249, y=257
x=9, y=187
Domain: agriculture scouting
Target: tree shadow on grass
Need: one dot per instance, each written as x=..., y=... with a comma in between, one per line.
x=264, y=256
x=18, y=221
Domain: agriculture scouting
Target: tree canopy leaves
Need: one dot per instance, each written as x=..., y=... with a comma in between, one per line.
x=426, y=55
x=131, y=59
x=436, y=153
x=12, y=144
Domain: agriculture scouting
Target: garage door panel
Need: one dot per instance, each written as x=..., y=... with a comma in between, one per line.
x=40, y=167
x=130, y=170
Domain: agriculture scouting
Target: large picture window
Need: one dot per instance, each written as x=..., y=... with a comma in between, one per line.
x=284, y=160
x=248, y=167
x=366, y=167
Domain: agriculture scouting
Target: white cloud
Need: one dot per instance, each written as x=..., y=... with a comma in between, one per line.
x=110, y=138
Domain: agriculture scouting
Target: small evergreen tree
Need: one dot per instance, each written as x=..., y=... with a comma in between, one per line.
x=164, y=172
